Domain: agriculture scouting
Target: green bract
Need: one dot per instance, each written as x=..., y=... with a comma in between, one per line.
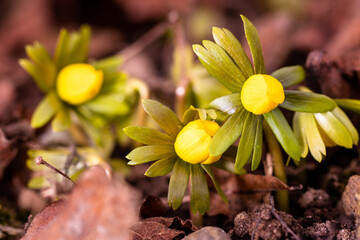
x=160, y=148
x=316, y=131
x=115, y=99
x=225, y=59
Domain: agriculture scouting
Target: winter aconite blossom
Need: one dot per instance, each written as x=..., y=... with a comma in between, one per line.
x=90, y=95
x=78, y=83
x=261, y=94
x=192, y=142
x=182, y=150
x=256, y=96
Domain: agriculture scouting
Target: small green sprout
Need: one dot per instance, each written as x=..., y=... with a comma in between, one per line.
x=183, y=150
x=255, y=96
x=316, y=131
x=88, y=94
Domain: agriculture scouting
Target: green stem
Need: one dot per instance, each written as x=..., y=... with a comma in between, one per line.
x=279, y=169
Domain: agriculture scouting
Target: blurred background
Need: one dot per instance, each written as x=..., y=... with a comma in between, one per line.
x=289, y=31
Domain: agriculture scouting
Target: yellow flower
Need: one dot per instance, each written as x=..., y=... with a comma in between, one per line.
x=262, y=93
x=192, y=142
x=78, y=83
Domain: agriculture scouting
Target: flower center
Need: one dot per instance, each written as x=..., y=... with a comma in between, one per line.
x=192, y=142
x=262, y=93
x=78, y=83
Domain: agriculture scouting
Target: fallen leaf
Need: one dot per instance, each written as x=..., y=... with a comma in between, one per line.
x=160, y=228
x=244, y=192
x=98, y=208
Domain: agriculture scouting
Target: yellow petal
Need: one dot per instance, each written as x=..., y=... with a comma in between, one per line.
x=192, y=142
x=261, y=93
x=211, y=159
x=78, y=83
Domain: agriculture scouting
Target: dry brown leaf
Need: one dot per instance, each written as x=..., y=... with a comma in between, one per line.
x=244, y=192
x=160, y=228
x=97, y=209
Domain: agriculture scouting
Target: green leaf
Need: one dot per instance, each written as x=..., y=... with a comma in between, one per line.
x=45, y=110
x=109, y=64
x=334, y=129
x=227, y=104
x=312, y=136
x=257, y=151
x=61, y=53
x=211, y=174
x=110, y=104
x=299, y=133
x=290, y=76
x=199, y=194
x=253, y=40
x=247, y=140
x=232, y=46
x=39, y=182
x=57, y=158
x=116, y=83
x=228, y=133
x=148, y=136
x=161, y=167
x=178, y=183
x=349, y=104
x=190, y=114
x=150, y=153
x=339, y=114
x=72, y=48
x=300, y=101
x=61, y=121
x=228, y=165
x=78, y=45
x=163, y=115
x=38, y=54
x=44, y=76
x=91, y=130
x=193, y=114
x=43, y=69
x=220, y=65
x=211, y=113
x=283, y=133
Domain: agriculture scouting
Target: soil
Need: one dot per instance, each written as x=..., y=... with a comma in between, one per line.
x=324, y=199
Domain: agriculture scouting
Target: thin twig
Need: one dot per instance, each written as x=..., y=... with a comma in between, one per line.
x=280, y=220
x=253, y=234
x=293, y=188
x=40, y=161
x=144, y=41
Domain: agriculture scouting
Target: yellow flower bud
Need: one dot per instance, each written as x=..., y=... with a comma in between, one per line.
x=192, y=142
x=78, y=83
x=261, y=93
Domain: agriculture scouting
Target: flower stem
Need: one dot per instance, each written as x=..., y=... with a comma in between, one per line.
x=279, y=169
